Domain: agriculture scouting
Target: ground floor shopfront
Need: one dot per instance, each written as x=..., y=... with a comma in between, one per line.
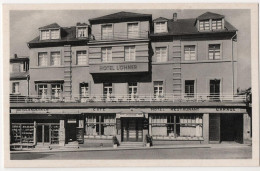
x=95, y=126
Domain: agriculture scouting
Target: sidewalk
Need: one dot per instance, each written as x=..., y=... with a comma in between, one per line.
x=64, y=149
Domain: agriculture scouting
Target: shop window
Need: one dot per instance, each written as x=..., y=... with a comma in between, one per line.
x=214, y=51
x=177, y=125
x=106, y=54
x=217, y=24
x=107, y=31
x=100, y=125
x=82, y=32
x=160, y=27
x=204, y=25
x=130, y=53
x=15, y=88
x=132, y=90
x=189, y=88
x=55, y=59
x=158, y=88
x=132, y=30
x=81, y=58
x=42, y=90
x=84, y=90
x=56, y=90
x=189, y=53
x=22, y=133
x=161, y=54
x=42, y=59
x=107, y=90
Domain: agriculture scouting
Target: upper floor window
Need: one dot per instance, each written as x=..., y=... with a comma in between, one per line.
x=22, y=67
x=214, y=51
x=107, y=31
x=55, y=58
x=42, y=90
x=82, y=31
x=55, y=34
x=189, y=52
x=56, y=90
x=132, y=30
x=81, y=58
x=161, y=54
x=106, y=54
x=189, y=88
x=107, y=90
x=50, y=34
x=84, y=90
x=45, y=34
x=130, y=53
x=15, y=88
x=158, y=88
x=132, y=90
x=204, y=25
x=216, y=24
x=160, y=27
x=42, y=59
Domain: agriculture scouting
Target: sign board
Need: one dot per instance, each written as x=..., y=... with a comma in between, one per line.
x=72, y=121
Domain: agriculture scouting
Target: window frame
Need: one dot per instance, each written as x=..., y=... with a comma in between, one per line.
x=51, y=58
x=43, y=88
x=158, y=93
x=204, y=25
x=189, y=94
x=107, y=37
x=56, y=88
x=81, y=52
x=136, y=33
x=220, y=51
x=84, y=28
x=160, y=54
x=217, y=21
x=46, y=59
x=129, y=53
x=14, y=90
x=195, y=53
x=86, y=92
x=106, y=54
x=161, y=30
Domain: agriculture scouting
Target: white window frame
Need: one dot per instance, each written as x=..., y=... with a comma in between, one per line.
x=45, y=34
x=160, y=27
x=159, y=56
x=81, y=32
x=84, y=90
x=130, y=54
x=214, y=52
x=131, y=90
x=56, y=35
x=55, y=58
x=107, y=90
x=107, y=56
x=44, y=89
x=105, y=33
x=44, y=58
x=203, y=26
x=81, y=57
x=131, y=30
x=57, y=90
x=156, y=88
x=188, y=55
x=215, y=24
x=15, y=88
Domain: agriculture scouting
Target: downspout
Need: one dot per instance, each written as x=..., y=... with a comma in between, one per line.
x=233, y=70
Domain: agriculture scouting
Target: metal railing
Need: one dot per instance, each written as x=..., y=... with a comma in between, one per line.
x=120, y=36
x=121, y=98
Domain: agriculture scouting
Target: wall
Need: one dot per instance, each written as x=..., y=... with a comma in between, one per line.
x=23, y=87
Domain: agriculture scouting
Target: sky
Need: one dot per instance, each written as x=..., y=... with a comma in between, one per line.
x=24, y=27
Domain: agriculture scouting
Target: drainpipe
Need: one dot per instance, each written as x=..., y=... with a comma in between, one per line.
x=28, y=78
x=233, y=70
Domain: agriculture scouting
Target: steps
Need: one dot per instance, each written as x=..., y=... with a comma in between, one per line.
x=73, y=144
x=42, y=147
x=131, y=144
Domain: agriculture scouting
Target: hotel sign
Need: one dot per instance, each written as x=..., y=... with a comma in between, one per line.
x=117, y=68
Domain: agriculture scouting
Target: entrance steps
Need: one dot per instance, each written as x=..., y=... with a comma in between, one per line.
x=73, y=144
x=131, y=144
x=42, y=147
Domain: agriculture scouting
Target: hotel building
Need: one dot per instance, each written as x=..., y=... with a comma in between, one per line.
x=129, y=75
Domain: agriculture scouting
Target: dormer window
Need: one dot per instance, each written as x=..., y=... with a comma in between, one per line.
x=55, y=34
x=50, y=34
x=210, y=22
x=217, y=24
x=45, y=34
x=82, y=32
x=160, y=27
x=204, y=25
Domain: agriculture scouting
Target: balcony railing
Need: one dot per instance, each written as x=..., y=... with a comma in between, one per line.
x=124, y=98
x=120, y=36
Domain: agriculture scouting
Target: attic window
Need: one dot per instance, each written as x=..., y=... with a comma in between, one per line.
x=50, y=34
x=204, y=25
x=82, y=32
x=160, y=27
x=217, y=24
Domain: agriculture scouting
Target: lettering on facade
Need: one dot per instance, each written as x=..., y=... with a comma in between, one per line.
x=192, y=109
x=32, y=110
x=226, y=109
x=118, y=68
x=99, y=109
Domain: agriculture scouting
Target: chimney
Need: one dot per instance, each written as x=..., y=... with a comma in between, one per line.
x=174, y=16
x=15, y=55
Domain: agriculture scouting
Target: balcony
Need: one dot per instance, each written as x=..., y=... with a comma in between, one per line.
x=120, y=36
x=125, y=98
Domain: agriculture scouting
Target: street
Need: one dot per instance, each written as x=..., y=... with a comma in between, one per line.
x=243, y=152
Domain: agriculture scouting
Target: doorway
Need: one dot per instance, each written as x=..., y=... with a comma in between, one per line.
x=214, y=90
x=43, y=134
x=71, y=131
x=132, y=129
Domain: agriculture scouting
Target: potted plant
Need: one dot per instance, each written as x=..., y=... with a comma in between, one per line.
x=149, y=140
x=115, y=142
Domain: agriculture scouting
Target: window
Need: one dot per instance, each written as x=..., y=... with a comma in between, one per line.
x=188, y=125
x=45, y=34
x=82, y=31
x=55, y=58
x=81, y=58
x=15, y=88
x=56, y=90
x=216, y=24
x=42, y=59
x=107, y=31
x=189, y=53
x=130, y=53
x=84, y=90
x=161, y=54
x=158, y=88
x=214, y=51
x=189, y=88
x=107, y=90
x=214, y=89
x=42, y=90
x=106, y=54
x=132, y=30
x=100, y=125
x=160, y=27
x=22, y=69
x=132, y=90
x=55, y=34
x=204, y=25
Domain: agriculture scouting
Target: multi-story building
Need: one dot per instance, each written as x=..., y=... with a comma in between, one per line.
x=129, y=76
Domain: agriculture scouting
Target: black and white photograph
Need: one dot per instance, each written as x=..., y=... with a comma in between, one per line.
x=130, y=84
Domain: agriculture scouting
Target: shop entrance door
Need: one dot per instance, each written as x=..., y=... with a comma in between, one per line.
x=43, y=134
x=71, y=132
x=132, y=129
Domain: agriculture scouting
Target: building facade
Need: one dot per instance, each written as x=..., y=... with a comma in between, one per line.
x=128, y=75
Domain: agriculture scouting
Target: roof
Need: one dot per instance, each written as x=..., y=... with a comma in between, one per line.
x=187, y=26
x=160, y=19
x=119, y=16
x=19, y=59
x=18, y=75
x=209, y=15
x=53, y=25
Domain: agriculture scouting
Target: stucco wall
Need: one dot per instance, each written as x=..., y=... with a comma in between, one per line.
x=23, y=87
